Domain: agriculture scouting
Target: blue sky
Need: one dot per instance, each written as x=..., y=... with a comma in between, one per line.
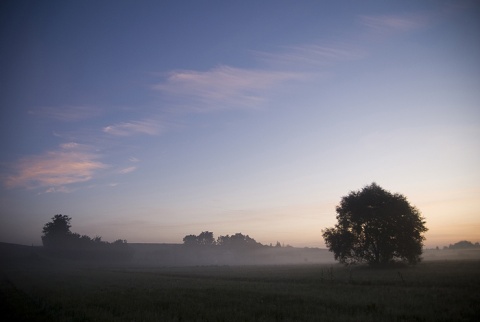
x=151, y=120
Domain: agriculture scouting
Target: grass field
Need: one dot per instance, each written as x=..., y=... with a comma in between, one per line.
x=47, y=290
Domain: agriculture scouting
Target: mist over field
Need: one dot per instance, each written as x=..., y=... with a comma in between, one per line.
x=35, y=286
x=161, y=255
x=178, y=255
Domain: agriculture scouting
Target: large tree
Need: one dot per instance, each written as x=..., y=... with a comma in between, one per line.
x=377, y=227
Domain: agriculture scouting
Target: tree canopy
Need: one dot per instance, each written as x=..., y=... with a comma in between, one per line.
x=237, y=241
x=204, y=239
x=56, y=232
x=377, y=227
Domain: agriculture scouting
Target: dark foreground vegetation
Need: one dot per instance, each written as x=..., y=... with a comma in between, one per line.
x=36, y=287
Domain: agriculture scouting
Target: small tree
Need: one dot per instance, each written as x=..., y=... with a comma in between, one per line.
x=238, y=241
x=57, y=232
x=377, y=227
x=190, y=240
x=204, y=239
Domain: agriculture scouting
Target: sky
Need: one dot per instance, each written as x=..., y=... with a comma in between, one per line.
x=152, y=120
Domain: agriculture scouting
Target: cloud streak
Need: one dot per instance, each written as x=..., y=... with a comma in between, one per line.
x=68, y=113
x=394, y=23
x=127, y=170
x=148, y=127
x=55, y=169
x=223, y=87
x=311, y=55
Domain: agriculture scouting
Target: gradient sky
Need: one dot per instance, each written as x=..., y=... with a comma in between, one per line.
x=151, y=120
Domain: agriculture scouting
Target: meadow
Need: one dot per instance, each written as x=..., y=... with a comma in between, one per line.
x=40, y=289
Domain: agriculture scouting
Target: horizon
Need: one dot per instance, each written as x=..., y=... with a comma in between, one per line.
x=148, y=121
x=283, y=245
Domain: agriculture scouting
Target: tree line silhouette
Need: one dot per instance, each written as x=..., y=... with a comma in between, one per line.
x=463, y=244
x=374, y=226
x=59, y=240
x=206, y=238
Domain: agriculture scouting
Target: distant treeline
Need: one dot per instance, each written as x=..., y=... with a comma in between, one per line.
x=236, y=241
x=58, y=240
x=464, y=244
x=236, y=249
x=203, y=249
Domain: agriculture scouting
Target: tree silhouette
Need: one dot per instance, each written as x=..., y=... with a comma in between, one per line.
x=237, y=241
x=204, y=239
x=60, y=241
x=190, y=240
x=377, y=227
x=57, y=232
x=463, y=244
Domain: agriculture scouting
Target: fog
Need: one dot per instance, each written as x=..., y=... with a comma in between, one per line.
x=172, y=255
x=173, y=282
x=451, y=254
x=166, y=255
x=181, y=255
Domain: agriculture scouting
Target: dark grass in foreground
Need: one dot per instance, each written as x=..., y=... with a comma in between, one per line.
x=431, y=291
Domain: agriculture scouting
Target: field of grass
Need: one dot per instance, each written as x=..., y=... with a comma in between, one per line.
x=47, y=290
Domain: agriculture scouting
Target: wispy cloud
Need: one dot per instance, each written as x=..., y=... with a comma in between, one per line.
x=62, y=189
x=68, y=113
x=394, y=23
x=317, y=55
x=311, y=55
x=71, y=163
x=133, y=159
x=127, y=170
x=223, y=86
x=70, y=145
x=148, y=127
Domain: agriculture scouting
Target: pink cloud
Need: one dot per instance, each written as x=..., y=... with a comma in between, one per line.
x=54, y=169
